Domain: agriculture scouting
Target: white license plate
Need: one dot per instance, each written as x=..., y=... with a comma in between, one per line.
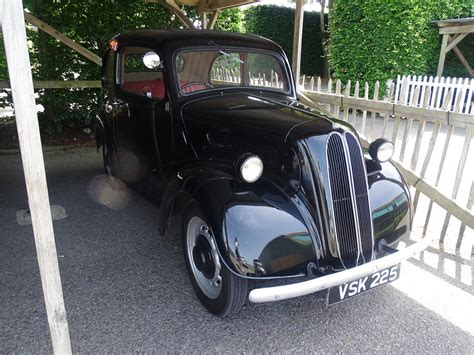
x=350, y=289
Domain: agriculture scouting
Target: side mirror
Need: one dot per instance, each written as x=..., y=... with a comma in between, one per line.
x=151, y=60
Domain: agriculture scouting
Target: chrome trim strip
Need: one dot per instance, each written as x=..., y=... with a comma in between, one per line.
x=350, y=173
x=332, y=200
x=278, y=293
x=368, y=197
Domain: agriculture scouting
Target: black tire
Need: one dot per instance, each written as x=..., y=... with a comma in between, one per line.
x=231, y=296
x=110, y=159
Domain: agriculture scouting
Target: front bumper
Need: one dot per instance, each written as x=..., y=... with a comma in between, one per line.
x=277, y=293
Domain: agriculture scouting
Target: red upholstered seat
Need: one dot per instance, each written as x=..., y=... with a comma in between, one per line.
x=155, y=87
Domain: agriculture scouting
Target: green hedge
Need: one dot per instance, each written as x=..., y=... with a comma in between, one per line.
x=378, y=39
x=277, y=24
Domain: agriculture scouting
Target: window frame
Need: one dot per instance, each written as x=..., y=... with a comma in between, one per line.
x=120, y=72
x=278, y=56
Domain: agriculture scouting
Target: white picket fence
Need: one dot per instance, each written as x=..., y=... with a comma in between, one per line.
x=233, y=77
x=462, y=90
x=433, y=144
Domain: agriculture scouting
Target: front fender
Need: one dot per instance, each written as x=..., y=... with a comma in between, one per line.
x=390, y=202
x=259, y=230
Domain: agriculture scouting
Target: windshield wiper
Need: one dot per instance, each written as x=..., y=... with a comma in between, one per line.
x=223, y=52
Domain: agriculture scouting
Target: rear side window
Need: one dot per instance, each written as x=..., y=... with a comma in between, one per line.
x=141, y=72
x=108, y=69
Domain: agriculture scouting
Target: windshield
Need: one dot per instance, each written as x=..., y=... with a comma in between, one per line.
x=219, y=68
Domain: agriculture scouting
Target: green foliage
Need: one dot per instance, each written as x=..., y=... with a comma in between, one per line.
x=378, y=39
x=277, y=23
x=91, y=24
x=452, y=66
x=230, y=20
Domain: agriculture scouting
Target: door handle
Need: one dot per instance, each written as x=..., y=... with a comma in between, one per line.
x=108, y=108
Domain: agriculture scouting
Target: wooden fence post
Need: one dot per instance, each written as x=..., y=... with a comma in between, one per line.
x=297, y=41
x=14, y=36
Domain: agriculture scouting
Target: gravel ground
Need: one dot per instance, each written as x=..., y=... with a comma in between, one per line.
x=126, y=289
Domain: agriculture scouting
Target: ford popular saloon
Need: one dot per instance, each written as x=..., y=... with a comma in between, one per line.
x=209, y=124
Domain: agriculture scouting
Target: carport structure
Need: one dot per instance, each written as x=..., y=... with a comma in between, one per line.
x=12, y=21
x=453, y=32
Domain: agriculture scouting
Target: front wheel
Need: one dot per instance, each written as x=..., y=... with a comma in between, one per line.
x=220, y=291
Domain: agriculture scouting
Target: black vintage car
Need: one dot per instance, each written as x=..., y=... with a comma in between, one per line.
x=209, y=124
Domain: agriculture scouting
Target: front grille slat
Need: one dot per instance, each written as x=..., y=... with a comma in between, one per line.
x=362, y=196
x=350, y=200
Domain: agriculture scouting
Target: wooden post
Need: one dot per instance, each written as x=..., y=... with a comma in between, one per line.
x=442, y=55
x=297, y=41
x=203, y=20
x=14, y=36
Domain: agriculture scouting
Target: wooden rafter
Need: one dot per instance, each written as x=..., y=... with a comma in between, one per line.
x=212, y=5
x=213, y=20
x=43, y=26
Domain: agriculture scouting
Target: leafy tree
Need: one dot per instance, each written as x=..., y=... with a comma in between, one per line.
x=91, y=24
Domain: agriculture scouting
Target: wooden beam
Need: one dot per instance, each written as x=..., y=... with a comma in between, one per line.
x=203, y=16
x=442, y=55
x=455, y=119
x=174, y=8
x=19, y=69
x=213, y=20
x=43, y=26
x=297, y=41
x=455, y=41
x=456, y=29
x=212, y=5
x=59, y=84
x=463, y=60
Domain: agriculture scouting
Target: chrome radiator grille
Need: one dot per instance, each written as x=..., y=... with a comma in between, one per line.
x=349, y=194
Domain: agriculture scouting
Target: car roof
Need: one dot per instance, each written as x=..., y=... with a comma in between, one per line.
x=177, y=38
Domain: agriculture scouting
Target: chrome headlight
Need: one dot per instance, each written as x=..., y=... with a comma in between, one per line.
x=250, y=168
x=381, y=150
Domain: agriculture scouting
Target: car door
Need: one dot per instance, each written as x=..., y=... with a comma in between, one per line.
x=140, y=111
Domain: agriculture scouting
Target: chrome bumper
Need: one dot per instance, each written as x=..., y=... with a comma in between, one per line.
x=277, y=293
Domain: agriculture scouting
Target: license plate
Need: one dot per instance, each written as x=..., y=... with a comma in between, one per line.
x=350, y=289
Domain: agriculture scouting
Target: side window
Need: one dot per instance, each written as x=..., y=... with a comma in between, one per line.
x=225, y=70
x=141, y=72
x=108, y=69
x=264, y=70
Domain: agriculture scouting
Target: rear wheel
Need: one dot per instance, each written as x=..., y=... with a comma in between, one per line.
x=110, y=159
x=220, y=291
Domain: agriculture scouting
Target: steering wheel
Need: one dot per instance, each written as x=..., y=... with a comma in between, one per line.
x=195, y=83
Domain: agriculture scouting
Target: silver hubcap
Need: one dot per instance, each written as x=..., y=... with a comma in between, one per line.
x=203, y=257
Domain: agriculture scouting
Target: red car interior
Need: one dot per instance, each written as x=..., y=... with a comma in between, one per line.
x=155, y=87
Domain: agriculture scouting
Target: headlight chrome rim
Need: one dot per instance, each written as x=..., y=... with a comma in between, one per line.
x=381, y=150
x=250, y=168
